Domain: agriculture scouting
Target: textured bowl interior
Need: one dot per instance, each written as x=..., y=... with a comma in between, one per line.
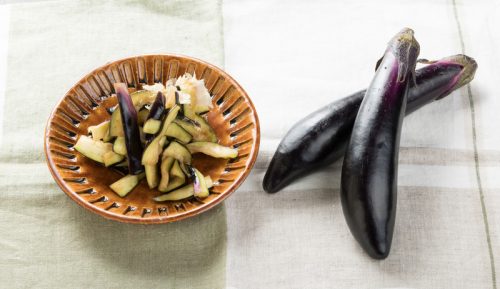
x=233, y=118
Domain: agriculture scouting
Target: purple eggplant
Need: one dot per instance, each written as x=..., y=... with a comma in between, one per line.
x=158, y=107
x=321, y=138
x=370, y=169
x=130, y=128
x=153, y=121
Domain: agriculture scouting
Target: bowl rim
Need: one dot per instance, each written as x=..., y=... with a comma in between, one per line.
x=159, y=219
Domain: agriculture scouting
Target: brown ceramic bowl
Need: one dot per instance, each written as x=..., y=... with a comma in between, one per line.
x=233, y=118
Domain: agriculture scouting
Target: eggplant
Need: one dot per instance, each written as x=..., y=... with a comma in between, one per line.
x=126, y=184
x=153, y=121
x=207, y=132
x=152, y=175
x=158, y=107
x=130, y=129
x=100, y=131
x=155, y=147
x=212, y=149
x=93, y=149
x=200, y=188
x=176, y=131
x=321, y=137
x=119, y=146
x=370, y=168
x=111, y=158
x=166, y=165
x=142, y=116
x=139, y=99
x=176, y=178
x=178, y=152
x=182, y=193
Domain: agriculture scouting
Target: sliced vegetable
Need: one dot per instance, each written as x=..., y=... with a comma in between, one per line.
x=153, y=151
x=110, y=158
x=93, y=149
x=178, y=152
x=369, y=172
x=139, y=99
x=131, y=129
x=166, y=165
x=152, y=126
x=201, y=109
x=177, y=177
x=172, y=114
x=119, y=146
x=122, y=164
x=152, y=175
x=170, y=98
x=183, y=193
x=212, y=149
x=126, y=184
x=158, y=107
x=176, y=131
x=321, y=137
x=142, y=116
x=100, y=131
x=206, y=132
x=200, y=188
x=195, y=131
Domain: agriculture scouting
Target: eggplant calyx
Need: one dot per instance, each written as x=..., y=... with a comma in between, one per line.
x=405, y=49
x=468, y=72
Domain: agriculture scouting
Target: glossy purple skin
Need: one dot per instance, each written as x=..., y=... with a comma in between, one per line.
x=370, y=168
x=130, y=129
x=194, y=178
x=158, y=107
x=321, y=137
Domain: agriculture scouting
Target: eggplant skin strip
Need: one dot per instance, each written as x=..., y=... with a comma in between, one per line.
x=321, y=138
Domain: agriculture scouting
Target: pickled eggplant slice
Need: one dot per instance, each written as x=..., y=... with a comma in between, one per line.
x=139, y=99
x=201, y=109
x=130, y=128
x=170, y=98
x=153, y=151
x=178, y=152
x=100, y=131
x=110, y=158
x=212, y=149
x=207, y=132
x=152, y=126
x=196, y=131
x=184, y=192
x=166, y=165
x=158, y=107
x=172, y=114
x=142, y=115
x=119, y=146
x=124, y=163
x=152, y=175
x=199, y=186
x=176, y=131
x=126, y=184
x=177, y=177
x=93, y=149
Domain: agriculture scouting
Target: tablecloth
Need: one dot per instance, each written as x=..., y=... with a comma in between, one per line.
x=292, y=57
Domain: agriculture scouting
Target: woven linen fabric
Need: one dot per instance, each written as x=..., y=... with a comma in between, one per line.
x=47, y=240
x=295, y=57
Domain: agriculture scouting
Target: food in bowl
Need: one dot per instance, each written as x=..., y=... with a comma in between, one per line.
x=152, y=134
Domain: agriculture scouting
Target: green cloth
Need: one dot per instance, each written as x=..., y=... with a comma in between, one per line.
x=47, y=240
